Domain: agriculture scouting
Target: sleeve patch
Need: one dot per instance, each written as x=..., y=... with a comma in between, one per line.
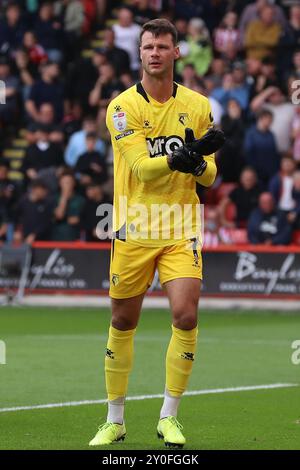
x=120, y=121
x=120, y=136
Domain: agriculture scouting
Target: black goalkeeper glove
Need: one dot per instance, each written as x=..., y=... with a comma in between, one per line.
x=189, y=157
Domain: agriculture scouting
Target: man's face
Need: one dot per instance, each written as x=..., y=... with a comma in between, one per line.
x=266, y=203
x=248, y=179
x=158, y=54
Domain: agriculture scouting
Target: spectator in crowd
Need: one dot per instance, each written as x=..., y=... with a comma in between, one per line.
x=267, y=224
x=266, y=77
x=252, y=13
x=26, y=70
x=49, y=32
x=8, y=108
x=214, y=233
x=35, y=51
x=196, y=49
x=214, y=77
x=91, y=164
x=118, y=57
x=142, y=11
x=296, y=134
x=294, y=215
x=283, y=111
x=260, y=148
x=230, y=157
x=234, y=86
x=12, y=28
x=71, y=15
x=127, y=34
x=281, y=185
x=94, y=232
x=106, y=88
x=227, y=35
x=81, y=77
x=49, y=89
x=290, y=40
x=262, y=35
x=77, y=142
x=68, y=209
x=43, y=158
x=244, y=199
x=34, y=214
x=8, y=191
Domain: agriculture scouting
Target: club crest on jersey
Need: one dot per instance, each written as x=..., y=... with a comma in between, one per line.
x=120, y=121
x=183, y=118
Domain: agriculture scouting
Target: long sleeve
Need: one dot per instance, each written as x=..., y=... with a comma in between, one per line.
x=131, y=142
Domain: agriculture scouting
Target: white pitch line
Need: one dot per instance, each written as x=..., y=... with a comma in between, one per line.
x=148, y=397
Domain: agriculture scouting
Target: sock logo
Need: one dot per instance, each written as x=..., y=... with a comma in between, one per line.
x=188, y=356
x=110, y=353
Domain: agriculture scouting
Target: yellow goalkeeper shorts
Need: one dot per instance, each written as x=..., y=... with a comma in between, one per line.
x=133, y=266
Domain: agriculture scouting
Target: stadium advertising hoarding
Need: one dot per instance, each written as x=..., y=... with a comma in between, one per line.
x=233, y=271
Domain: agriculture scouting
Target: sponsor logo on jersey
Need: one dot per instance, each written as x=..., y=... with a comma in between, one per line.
x=160, y=146
x=117, y=108
x=120, y=121
x=124, y=134
x=147, y=124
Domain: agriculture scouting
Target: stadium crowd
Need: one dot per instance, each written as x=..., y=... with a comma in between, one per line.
x=244, y=56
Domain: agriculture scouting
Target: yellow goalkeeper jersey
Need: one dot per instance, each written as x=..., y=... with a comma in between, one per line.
x=154, y=205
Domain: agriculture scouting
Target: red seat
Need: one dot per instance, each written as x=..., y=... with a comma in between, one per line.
x=296, y=237
x=239, y=236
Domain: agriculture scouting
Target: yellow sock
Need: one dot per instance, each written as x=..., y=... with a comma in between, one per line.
x=118, y=362
x=179, y=360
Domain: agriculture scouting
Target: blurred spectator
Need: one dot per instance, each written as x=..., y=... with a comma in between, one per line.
x=214, y=233
x=234, y=86
x=91, y=164
x=8, y=198
x=230, y=157
x=267, y=224
x=266, y=77
x=34, y=214
x=49, y=89
x=81, y=77
x=281, y=185
x=49, y=32
x=142, y=11
x=262, y=35
x=273, y=99
x=27, y=72
x=214, y=78
x=8, y=110
x=118, y=57
x=68, y=210
x=260, y=148
x=296, y=134
x=43, y=158
x=35, y=51
x=127, y=34
x=95, y=196
x=181, y=25
x=244, y=198
x=196, y=49
x=106, y=88
x=12, y=28
x=253, y=11
x=294, y=215
x=77, y=142
x=227, y=35
x=71, y=16
x=290, y=40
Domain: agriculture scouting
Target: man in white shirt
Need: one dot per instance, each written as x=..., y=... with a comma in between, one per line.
x=127, y=34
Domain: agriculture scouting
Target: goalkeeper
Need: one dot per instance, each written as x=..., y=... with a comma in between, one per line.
x=157, y=129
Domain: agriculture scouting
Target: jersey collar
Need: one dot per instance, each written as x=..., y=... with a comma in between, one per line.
x=141, y=91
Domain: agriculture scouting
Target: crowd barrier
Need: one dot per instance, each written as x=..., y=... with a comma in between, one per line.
x=228, y=271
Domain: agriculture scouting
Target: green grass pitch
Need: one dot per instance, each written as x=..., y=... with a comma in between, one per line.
x=56, y=355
